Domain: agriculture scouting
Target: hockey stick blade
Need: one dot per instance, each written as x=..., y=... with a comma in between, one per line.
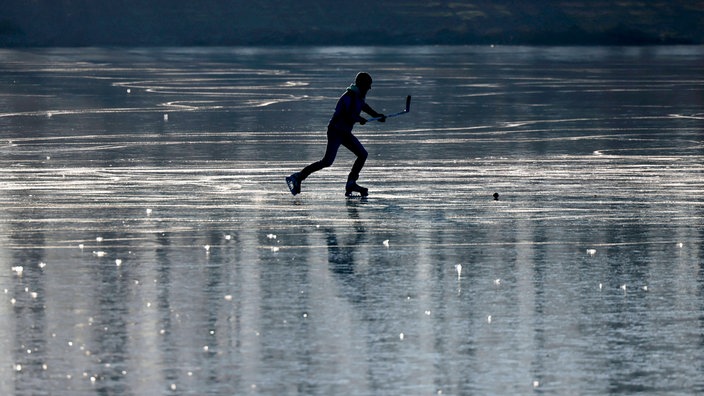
x=406, y=110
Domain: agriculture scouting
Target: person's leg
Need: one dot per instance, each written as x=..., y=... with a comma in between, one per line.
x=328, y=159
x=352, y=143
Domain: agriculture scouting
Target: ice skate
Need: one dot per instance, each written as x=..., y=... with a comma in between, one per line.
x=294, y=183
x=352, y=186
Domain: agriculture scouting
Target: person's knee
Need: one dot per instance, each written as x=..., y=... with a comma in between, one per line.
x=326, y=162
x=362, y=154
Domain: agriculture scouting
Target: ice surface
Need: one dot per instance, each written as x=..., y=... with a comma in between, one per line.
x=198, y=273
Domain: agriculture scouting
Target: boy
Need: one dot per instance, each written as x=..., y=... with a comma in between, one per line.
x=347, y=111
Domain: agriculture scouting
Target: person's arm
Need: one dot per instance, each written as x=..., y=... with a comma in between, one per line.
x=367, y=109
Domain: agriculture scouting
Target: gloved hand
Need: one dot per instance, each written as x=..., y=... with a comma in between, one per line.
x=383, y=118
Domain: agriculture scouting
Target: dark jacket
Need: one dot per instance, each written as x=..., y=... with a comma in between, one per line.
x=347, y=111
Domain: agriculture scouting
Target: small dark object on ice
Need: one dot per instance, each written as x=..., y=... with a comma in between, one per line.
x=496, y=196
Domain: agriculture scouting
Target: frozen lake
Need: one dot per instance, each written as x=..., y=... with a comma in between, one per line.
x=149, y=244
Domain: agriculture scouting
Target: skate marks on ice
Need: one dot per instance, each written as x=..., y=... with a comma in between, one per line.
x=632, y=184
x=591, y=188
x=412, y=195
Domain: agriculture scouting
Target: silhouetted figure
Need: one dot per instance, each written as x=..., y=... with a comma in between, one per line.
x=347, y=113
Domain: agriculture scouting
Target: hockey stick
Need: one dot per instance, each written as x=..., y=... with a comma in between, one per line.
x=406, y=110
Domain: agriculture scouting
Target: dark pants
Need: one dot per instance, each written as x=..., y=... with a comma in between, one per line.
x=335, y=139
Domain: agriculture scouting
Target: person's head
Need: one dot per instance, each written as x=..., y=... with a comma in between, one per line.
x=363, y=81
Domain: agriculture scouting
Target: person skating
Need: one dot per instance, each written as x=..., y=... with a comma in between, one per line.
x=339, y=133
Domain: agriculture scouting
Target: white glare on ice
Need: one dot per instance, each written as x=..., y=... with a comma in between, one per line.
x=488, y=319
x=497, y=282
x=228, y=237
x=228, y=297
x=99, y=253
x=458, y=267
x=18, y=270
x=42, y=265
x=386, y=243
x=81, y=246
x=591, y=252
x=207, y=248
x=118, y=262
x=401, y=336
x=623, y=287
x=271, y=236
x=99, y=239
x=166, y=117
x=680, y=244
x=149, y=212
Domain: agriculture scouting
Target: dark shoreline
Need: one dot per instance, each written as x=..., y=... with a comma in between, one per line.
x=130, y=23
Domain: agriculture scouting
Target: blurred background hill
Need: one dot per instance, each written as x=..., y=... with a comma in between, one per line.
x=362, y=22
